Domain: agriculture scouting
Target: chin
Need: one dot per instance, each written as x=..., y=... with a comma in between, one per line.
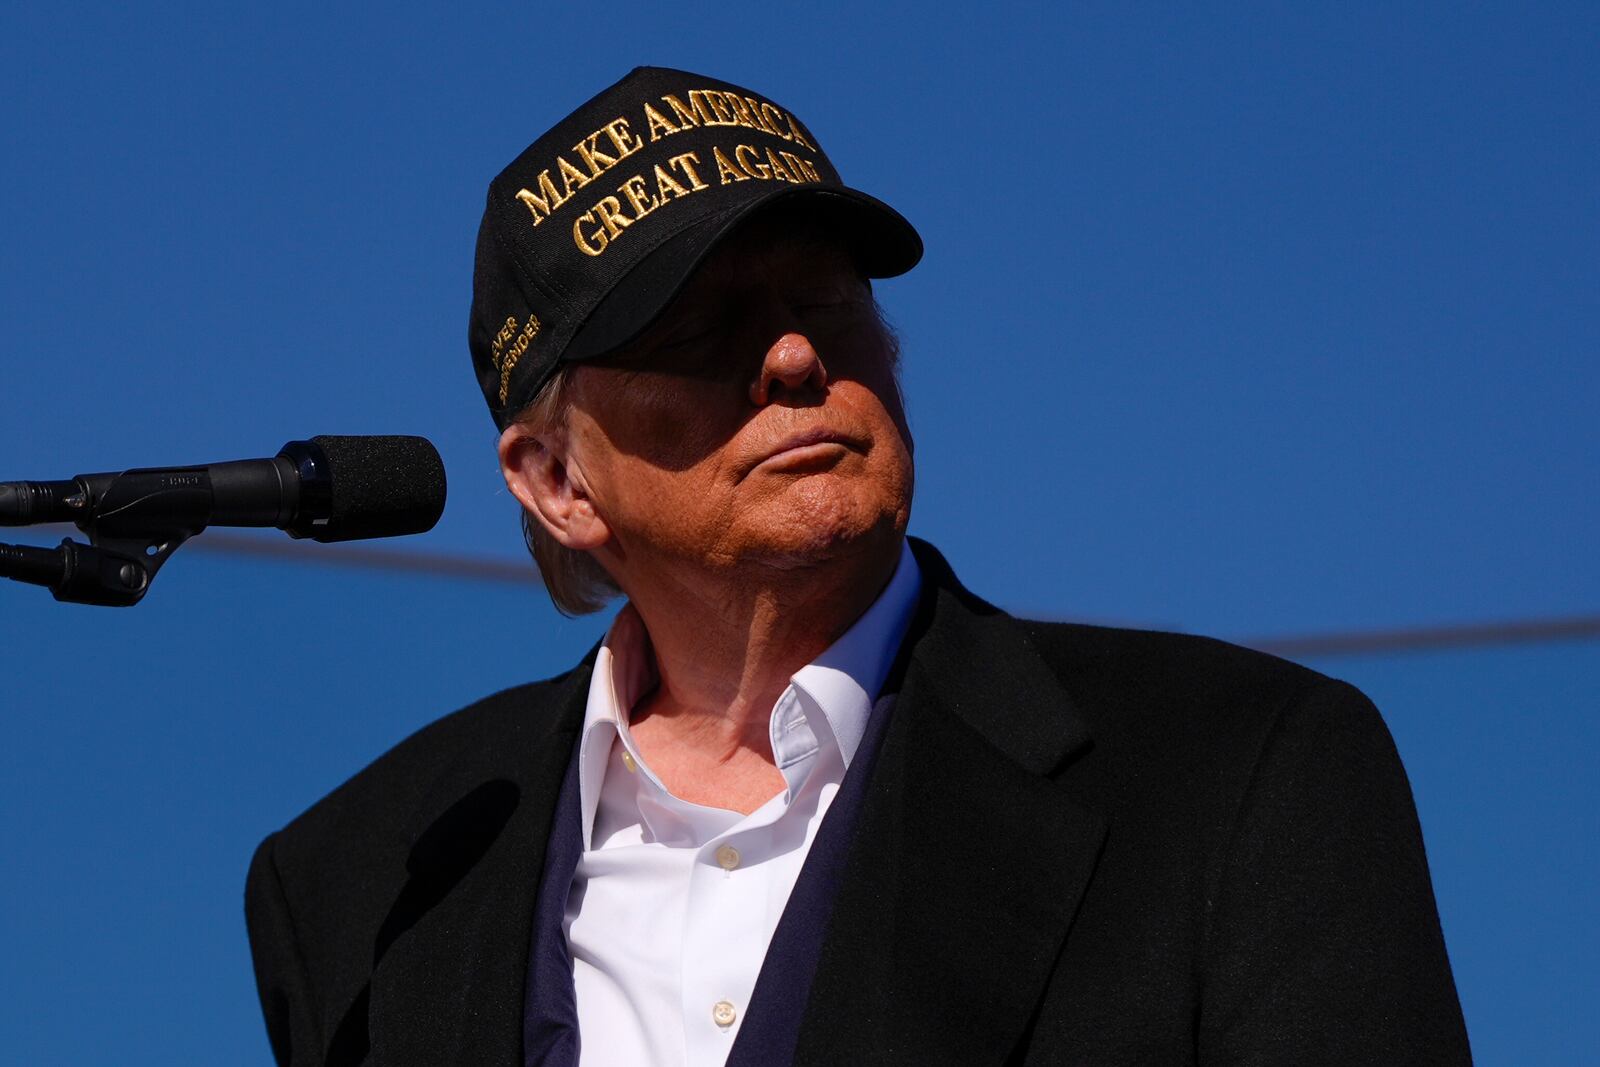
x=814, y=522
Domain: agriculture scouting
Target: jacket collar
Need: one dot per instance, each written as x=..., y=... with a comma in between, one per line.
x=969, y=859
x=975, y=662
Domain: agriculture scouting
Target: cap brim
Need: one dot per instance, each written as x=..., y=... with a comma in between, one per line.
x=883, y=242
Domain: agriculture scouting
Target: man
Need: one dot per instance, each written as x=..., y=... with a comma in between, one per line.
x=810, y=801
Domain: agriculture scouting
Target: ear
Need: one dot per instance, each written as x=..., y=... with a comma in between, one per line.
x=537, y=471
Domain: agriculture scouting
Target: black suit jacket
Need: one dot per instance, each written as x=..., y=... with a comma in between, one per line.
x=1080, y=846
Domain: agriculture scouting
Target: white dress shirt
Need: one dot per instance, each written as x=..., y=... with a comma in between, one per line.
x=674, y=903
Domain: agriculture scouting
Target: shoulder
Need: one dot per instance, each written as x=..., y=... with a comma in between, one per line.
x=322, y=884
x=320, y=890
x=1125, y=679
x=1147, y=698
x=373, y=811
x=1128, y=666
x=1195, y=716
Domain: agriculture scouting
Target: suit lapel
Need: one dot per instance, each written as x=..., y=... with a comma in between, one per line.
x=969, y=861
x=452, y=961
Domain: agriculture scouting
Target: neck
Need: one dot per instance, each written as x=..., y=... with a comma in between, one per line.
x=727, y=642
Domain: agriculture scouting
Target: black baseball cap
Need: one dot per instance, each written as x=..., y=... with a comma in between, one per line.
x=591, y=231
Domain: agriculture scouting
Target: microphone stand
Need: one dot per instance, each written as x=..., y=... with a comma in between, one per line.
x=142, y=518
x=84, y=574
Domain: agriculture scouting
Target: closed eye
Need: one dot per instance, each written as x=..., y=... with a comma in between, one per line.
x=687, y=338
x=830, y=311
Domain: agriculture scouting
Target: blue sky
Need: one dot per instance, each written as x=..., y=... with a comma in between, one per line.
x=1273, y=320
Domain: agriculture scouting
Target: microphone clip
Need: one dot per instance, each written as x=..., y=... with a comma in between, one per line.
x=103, y=575
x=129, y=540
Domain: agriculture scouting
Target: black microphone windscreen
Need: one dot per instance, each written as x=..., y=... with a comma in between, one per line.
x=382, y=487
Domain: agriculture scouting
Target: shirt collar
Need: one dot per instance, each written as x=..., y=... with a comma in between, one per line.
x=846, y=678
x=843, y=681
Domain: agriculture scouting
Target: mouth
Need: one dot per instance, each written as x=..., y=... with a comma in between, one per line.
x=815, y=449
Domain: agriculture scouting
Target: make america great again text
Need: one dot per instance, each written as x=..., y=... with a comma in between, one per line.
x=682, y=175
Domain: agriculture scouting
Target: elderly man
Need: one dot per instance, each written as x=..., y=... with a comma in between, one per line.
x=810, y=801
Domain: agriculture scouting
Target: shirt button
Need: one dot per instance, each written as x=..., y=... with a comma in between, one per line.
x=727, y=859
x=723, y=1014
x=627, y=761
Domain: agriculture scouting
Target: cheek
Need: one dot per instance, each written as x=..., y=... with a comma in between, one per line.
x=866, y=361
x=668, y=423
x=653, y=468
x=889, y=400
x=875, y=402
x=894, y=450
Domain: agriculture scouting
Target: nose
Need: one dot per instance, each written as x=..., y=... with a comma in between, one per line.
x=791, y=366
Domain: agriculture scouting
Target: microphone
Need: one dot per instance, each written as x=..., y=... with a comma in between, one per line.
x=328, y=489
